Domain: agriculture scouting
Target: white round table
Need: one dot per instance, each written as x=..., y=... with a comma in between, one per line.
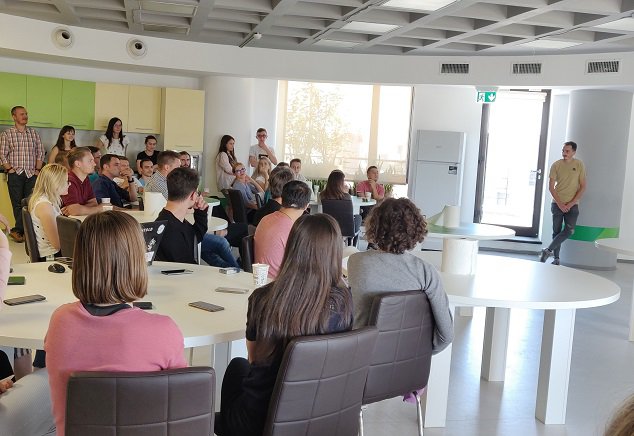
x=357, y=204
x=620, y=246
x=213, y=223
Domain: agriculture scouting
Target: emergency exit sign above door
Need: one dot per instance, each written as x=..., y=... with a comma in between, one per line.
x=486, y=96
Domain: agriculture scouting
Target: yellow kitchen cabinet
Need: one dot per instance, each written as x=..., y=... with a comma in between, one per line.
x=144, y=109
x=183, y=119
x=111, y=100
x=5, y=201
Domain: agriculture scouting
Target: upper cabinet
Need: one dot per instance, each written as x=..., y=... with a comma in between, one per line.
x=44, y=101
x=78, y=104
x=12, y=93
x=111, y=100
x=144, y=109
x=183, y=119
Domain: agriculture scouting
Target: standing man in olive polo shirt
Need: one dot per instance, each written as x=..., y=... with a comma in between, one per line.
x=567, y=184
x=22, y=156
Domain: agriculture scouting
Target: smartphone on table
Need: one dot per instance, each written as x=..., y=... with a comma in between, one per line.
x=24, y=300
x=206, y=306
x=173, y=272
x=231, y=290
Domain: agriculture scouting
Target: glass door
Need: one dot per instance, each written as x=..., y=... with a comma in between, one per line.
x=511, y=161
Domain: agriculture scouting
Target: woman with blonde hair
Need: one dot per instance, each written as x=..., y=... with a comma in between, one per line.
x=102, y=331
x=262, y=173
x=44, y=207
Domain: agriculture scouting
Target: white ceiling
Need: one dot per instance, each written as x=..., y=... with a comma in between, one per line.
x=464, y=27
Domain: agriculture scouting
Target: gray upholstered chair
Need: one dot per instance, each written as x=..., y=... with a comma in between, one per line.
x=401, y=359
x=320, y=384
x=67, y=229
x=30, y=240
x=175, y=402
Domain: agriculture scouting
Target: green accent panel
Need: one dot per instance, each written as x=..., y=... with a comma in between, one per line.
x=591, y=234
x=44, y=101
x=12, y=93
x=78, y=104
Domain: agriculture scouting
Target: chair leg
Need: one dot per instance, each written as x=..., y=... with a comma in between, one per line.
x=361, y=421
x=419, y=414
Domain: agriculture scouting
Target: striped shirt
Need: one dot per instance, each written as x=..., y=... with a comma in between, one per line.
x=21, y=150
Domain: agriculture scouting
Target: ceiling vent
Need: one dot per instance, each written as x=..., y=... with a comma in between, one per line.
x=528, y=68
x=454, y=69
x=602, y=67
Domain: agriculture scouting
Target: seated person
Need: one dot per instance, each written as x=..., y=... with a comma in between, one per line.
x=167, y=161
x=125, y=174
x=96, y=154
x=186, y=159
x=149, y=153
x=102, y=331
x=105, y=187
x=262, y=173
x=44, y=207
x=396, y=226
x=372, y=185
x=279, y=178
x=336, y=189
x=309, y=297
x=180, y=237
x=147, y=169
x=271, y=234
x=80, y=199
x=296, y=166
x=62, y=159
x=248, y=188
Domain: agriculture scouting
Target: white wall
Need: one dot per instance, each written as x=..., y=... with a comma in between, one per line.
x=627, y=209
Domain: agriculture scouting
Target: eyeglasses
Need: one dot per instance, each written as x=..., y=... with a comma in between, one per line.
x=261, y=135
x=240, y=171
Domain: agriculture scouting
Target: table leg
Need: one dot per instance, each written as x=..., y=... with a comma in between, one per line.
x=496, y=335
x=220, y=357
x=554, y=366
x=459, y=256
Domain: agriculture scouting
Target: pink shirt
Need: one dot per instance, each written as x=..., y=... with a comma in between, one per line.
x=5, y=261
x=365, y=187
x=270, y=239
x=128, y=340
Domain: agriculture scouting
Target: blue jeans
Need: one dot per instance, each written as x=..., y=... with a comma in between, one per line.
x=216, y=251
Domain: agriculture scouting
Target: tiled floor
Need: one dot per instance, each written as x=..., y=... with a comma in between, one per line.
x=602, y=375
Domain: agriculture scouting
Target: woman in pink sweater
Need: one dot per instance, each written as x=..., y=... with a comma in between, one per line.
x=102, y=332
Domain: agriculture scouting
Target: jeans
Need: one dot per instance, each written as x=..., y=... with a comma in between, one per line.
x=568, y=219
x=20, y=186
x=216, y=251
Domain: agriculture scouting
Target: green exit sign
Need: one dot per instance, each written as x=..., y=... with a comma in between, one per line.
x=486, y=97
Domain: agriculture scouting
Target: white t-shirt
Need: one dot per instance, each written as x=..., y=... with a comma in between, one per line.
x=256, y=151
x=116, y=147
x=43, y=244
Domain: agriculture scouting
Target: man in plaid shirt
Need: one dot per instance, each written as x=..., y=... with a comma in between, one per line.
x=22, y=156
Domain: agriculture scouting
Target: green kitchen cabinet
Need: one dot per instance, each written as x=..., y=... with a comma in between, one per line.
x=78, y=104
x=12, y=93
x=44, y=101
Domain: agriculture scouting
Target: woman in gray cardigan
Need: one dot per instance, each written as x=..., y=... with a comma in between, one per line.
x=396, y=226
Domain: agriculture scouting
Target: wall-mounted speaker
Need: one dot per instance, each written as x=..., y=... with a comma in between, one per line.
x=136, y=48
x=62, y=37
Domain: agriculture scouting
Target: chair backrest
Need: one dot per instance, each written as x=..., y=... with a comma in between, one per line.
x=247, y=254
x=320, y=384
x=238, y=206
x=172, y=402
x=402, y=356
x=30, y=243
x=67, y=229
x=259, y=201
x=342, y=212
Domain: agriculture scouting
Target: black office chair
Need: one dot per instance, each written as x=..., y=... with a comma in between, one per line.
x=171, y=402
x=247, y=253
x=342, y=212
x=259, y=201
x=401, y=360
x=29, y=237
x=238, y=207
x=320, y=384
x=67, y=229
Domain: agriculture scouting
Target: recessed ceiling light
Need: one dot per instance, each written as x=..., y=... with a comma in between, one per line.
x=549, y=43
x=362, y=26
x=626, y=24
x=335, y=43
x=418, y=5
x=168, y=7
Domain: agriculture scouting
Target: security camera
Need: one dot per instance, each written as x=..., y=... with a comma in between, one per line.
x=62, y=37
x=257, y=35
x=137, y=48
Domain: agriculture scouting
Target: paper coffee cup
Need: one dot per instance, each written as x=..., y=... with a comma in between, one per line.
x=260, y=274
x=368, y=195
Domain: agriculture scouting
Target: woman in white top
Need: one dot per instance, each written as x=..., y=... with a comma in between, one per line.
x=44, y=207
x=114, y=141
x=225, y=160
x=262, y=173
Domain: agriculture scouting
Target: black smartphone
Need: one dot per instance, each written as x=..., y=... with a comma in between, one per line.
x=16, y=280
x=23, y=300
x=145, y=305
x=232, y=290
x=206, y=306
x=172, y=272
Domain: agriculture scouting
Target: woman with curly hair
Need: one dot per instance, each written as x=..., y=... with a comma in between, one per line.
x=396, y=226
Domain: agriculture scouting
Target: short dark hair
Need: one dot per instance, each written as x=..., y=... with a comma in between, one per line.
x=395, y=225
x=181, y=183
x=15, y=108
x=93, y=149
x=296, y=194
x=571, y=144
x=148, y=137
x=106, y=158
x=278, y=179
x=261, y=129
x=182, y=153
x=76, y=154
x=371, y=167
x=282, y=164
x=145, y=160
x=296, y=160
x=121, y=157
x=166, y=157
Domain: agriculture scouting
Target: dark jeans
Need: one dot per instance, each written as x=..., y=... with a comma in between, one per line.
x=20, y=187
x=568, y=220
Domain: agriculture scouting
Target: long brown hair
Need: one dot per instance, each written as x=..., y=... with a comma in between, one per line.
x=308, y=286
x=223, y=149
x=335, y=189
x=60, y=139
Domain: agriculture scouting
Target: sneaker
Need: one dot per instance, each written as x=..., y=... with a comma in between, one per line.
x=545, y=254
x=555, y=261
x=16, y=235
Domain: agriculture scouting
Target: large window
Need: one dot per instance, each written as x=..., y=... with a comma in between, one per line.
x=348, y=127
